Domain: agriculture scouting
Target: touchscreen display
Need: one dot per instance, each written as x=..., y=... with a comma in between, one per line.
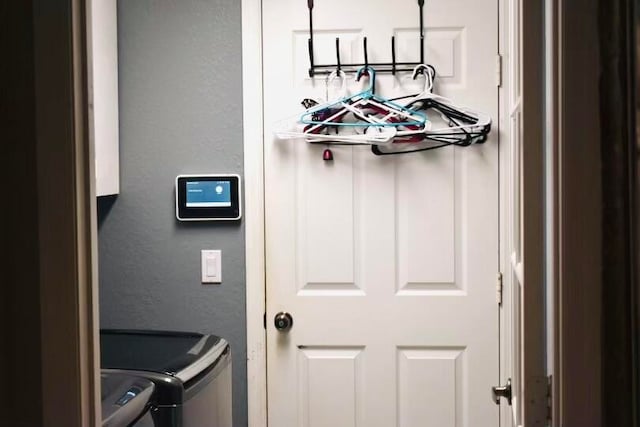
x=208, y=194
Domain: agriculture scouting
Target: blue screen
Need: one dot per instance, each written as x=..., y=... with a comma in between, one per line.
x=208, y=194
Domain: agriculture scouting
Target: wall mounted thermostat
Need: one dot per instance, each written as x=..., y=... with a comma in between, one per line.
x=208, y=197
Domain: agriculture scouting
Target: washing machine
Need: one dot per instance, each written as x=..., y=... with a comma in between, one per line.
x=126, y=400
x=191, y=373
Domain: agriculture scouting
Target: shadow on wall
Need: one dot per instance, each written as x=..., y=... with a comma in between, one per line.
x=104, y=205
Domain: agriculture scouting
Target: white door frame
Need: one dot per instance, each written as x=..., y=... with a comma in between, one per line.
x=252, y=101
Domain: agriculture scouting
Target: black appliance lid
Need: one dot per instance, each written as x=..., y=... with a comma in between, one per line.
x=181, y=354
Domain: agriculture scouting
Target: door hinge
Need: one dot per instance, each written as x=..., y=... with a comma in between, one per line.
x=499, y=70
x=499, y=289
x=264, y=321
x=537, y=400
x=550, y=400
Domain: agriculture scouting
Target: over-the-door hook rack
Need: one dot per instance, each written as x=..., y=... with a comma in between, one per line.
x=393, y=67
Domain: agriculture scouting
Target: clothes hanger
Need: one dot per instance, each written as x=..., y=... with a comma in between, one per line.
x=349, y=120
x=359, y=104
x=382, y=122
x=284, y=127
x=459, y=126
x=462, y=118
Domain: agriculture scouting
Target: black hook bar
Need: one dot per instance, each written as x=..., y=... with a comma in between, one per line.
x=393, y=55
x=311, y=62
x=393, y=67
x=366, y=53
x=421, y=5
x=312, y=65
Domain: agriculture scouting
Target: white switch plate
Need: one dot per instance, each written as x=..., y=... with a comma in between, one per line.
x=211, y=266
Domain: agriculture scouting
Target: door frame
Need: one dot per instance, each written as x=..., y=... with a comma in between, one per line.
x=253, y=141
x=74, y=317
x=532, y=323
x=65, y=206
x=530, y=269
x=576, y=330
x=566, y=239
x=67, y=217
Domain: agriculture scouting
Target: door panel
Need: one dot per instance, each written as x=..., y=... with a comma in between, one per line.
x=426, y=223
x=387, y=264
x=330, y=377
x=430, y=375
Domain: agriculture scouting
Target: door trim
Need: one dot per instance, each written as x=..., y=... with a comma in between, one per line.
x=504, y=150
x=552, y=201
x=574, y=264
x=578, y=317
x=253, y=141
x=66, y=217
x=531, y=354
x=534, y=377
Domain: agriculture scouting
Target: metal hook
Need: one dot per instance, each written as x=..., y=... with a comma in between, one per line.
x=338, y=53
x=366, y=53
x=310, y=42
x=311, y=64
x=393, y=67
x=393, y=55
x=421, y=5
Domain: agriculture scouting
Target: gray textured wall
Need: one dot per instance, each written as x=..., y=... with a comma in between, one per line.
x=180, y=112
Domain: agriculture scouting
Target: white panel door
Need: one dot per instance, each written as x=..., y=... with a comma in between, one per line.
x=387, y=264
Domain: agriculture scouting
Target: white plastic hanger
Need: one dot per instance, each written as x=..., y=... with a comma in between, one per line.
x=350, y=119
x=450, y=125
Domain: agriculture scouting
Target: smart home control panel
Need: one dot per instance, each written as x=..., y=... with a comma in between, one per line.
x=208, y=197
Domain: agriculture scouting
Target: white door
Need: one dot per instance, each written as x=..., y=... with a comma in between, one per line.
x=386, y=264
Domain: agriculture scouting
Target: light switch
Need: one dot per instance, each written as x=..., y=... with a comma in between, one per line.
x=211, y=266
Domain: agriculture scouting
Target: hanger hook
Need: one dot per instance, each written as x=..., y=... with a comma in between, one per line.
x=366, y=70
x=343, y=86
x=429, y=76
